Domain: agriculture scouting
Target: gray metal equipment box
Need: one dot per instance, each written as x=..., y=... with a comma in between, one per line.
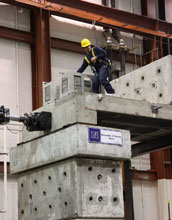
x=64, y=84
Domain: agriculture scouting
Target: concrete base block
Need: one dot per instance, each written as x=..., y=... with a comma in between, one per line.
x=77, y=188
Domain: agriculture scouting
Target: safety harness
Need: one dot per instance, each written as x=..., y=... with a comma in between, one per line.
x=99, y=60
x=89, y=63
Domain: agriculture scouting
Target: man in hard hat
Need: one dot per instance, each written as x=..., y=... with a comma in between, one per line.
x=96, y=58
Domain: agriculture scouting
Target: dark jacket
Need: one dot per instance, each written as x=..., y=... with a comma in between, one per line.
x=101, y=56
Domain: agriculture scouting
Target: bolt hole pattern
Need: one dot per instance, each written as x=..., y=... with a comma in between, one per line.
x=153, y=85
x=160, y=95
x=90, y=169
x=115, y=199
x=59, y=189
x=35, y=209
x=142, y=78
x=99, y=176
x=137, y=91
x=158, y=70
x=22, y=212
x=65, y=203
x=44, y=193
x=49, y=177
x=91, y=198
x=22, y=185
x=100, y=199
x=30, y=196
x=113, y=170
x=50, y=206
x=35, y=181
x=65, y=174
x=127, y=84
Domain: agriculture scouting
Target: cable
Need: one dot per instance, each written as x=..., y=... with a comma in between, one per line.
x=10, y=130
x=94, y=29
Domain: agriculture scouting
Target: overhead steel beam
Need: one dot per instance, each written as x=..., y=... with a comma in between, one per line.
x=148, y=175
x=113, y=17
x=56, y=43
x=18, y=35
x=109, y=17
x=156, y=144
x=135, y=121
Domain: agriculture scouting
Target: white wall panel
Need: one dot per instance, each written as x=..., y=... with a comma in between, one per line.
x=23, y=19
x=7, y=16
x=164, y=195
x=8, y=84
x=145, y=200
x=99, y=2
x=141, y=162
x=15, y=90
x=133, y=6
x=75, y=31
x=14, y=17
x=25, y=78
x=15, y=85
x=63, y=61
x=12, y=198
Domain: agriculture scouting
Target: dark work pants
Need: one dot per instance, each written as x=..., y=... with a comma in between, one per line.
x=99, y=78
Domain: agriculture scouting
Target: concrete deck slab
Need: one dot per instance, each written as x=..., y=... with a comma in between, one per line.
x=85, y=108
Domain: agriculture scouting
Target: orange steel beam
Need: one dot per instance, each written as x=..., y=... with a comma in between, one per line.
x=102, y=15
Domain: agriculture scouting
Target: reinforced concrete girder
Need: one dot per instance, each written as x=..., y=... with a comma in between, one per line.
x=104, y=16
x=112, y=112
x=73, y=141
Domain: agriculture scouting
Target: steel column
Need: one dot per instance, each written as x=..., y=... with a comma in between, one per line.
x=152, y=145
x=128, y=192
x=161, y=162
x=41, y=60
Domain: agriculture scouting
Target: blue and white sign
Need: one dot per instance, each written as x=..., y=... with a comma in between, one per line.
x=105, y=136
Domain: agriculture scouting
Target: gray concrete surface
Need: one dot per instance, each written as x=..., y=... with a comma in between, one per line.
x=78, y=188
x=150, y=83
x=83, y=108
x=69, y=142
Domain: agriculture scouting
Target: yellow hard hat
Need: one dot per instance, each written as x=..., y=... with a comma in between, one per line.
x=85, y=43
